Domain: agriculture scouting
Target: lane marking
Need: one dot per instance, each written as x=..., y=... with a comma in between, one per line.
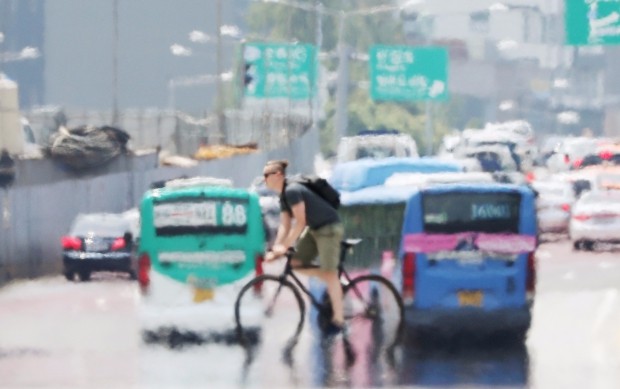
x=605, y=309
x=569, y=276
x=101, y=304
x=599, y=350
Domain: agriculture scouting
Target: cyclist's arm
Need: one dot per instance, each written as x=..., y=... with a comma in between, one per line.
x=278, y=249
x=283, y=228
x=299, y=213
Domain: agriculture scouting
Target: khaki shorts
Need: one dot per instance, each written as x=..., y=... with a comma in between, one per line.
x=324, y=243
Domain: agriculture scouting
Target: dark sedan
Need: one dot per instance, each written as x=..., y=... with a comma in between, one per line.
x=98, y=242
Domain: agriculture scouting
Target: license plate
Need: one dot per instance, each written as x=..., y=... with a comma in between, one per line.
x=470, y=298
x=203, y=294
x=204, y=289
x=96, y=245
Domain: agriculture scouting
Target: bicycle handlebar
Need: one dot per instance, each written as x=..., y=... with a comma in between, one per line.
x=290, y=252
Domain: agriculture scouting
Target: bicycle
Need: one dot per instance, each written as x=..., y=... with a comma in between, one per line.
x=369, y=296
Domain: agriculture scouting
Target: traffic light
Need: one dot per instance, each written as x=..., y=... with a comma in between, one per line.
x=248, y=76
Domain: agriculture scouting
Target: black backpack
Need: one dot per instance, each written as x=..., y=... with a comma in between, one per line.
x=319, y=186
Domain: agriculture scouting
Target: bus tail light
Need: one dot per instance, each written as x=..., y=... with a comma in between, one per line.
x=258, y=270
x=409, y=270
x=530, y=284
x=144, y=268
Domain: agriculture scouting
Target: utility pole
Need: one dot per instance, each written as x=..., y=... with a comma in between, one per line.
x=219, y=103
x=342, y=85
x=428, y=124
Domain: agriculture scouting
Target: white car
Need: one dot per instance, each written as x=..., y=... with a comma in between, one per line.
x=521, y=151
x=595, y=218
x=553, y=205
x=570, y=150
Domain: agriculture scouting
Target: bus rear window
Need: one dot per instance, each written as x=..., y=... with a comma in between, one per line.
x=467, y=211
x=201, y=216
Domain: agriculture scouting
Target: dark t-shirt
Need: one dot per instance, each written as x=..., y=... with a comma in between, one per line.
x=318, y=212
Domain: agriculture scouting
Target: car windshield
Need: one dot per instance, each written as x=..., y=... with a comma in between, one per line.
x=375, y=152
x=465, y=211
x=101, y=225
x=597, y=159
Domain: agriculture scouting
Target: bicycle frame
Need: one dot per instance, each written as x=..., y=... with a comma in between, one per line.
x=289, y=271
x=356, y=287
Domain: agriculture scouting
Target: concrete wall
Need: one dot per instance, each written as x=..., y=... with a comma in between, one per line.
x=37, y=210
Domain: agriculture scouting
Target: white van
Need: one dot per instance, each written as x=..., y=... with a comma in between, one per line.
x=376, y=145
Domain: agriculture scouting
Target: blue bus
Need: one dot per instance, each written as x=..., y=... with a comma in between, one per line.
x=467, y=255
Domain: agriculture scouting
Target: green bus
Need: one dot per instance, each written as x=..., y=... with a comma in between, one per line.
x=201, y=239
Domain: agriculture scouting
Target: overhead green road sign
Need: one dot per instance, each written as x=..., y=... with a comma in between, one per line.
x=280, y=70
x=592, y=22
x=405, y=73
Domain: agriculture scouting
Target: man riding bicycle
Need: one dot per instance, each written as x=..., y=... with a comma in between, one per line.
x=309, y=221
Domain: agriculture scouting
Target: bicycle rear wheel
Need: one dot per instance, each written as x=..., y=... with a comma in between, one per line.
x=269, y=307
x=373, y=311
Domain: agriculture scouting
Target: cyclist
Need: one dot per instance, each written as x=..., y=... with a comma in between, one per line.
x=309, y=221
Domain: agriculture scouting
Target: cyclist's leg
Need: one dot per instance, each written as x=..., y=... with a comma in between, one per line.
x=373, y=299
x=328, y=240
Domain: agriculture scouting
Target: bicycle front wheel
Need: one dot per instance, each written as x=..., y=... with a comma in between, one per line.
x=373, y=311
x=269, y=307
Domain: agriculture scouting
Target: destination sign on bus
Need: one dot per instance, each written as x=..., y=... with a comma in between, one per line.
x=213, y=216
